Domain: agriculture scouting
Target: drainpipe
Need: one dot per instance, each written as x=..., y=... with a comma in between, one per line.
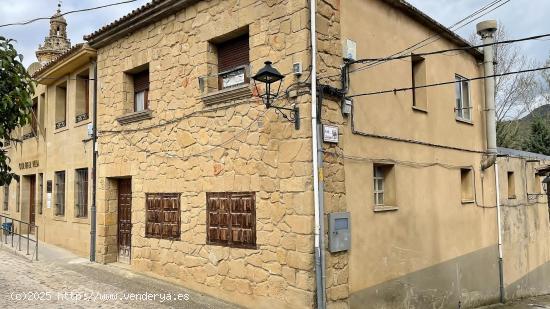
x=486, y=30
x=317, y=172
x=94, y=171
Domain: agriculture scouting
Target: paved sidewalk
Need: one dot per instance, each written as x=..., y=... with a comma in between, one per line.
x=538, y=302
x=62, y=280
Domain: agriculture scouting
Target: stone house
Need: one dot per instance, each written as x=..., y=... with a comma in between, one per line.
x=54, y=157
x=199, y=184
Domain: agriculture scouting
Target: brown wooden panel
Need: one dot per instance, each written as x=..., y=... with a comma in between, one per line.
x=231, y=219
x=124, y=220
x=163, y=216
x=233, y=53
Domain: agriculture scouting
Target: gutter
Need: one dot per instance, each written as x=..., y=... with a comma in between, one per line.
x=93, y=208
x=316, y=152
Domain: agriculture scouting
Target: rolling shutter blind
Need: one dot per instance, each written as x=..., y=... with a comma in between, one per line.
x=141, y=81
x=163, y=216
x=231, y=219
x=233, y=53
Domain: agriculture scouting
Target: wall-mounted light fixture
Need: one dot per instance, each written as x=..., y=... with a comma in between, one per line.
x=270, y=77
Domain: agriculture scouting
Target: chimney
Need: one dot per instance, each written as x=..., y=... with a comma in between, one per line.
x=486, y=29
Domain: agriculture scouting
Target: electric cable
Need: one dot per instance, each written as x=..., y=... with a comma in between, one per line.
x=66, y=13
x=536, y=37
x=436, y=36
x=444, y=83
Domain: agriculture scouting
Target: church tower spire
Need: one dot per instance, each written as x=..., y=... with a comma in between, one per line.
x=56, y=42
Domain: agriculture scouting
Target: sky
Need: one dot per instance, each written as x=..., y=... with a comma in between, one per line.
x=521, y=18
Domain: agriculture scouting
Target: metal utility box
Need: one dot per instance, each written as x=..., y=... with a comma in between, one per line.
x=339, y=237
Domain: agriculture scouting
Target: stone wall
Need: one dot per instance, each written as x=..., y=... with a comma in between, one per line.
x=230, y=146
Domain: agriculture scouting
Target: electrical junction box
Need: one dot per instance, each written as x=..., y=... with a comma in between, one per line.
x=347, y=103
x=297, y=68
x=90, y=130
x=350, y=50
x=339, y=237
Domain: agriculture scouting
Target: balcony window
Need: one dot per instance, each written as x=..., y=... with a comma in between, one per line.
x=419, y=78
x=463, y=104
x=82, y=106
x=61, y=105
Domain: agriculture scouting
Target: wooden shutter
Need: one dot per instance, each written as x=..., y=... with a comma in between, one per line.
x=163, y=218
x=233, y=53
x=231, y=219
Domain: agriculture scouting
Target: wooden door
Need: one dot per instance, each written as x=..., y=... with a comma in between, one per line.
x=124, y=220
x=32, y=202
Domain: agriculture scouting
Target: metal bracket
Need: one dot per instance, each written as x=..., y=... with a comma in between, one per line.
x=293, y=114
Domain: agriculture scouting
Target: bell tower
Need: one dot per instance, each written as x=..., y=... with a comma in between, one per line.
x=56, y=42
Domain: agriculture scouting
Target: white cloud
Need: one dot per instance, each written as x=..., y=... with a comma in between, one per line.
x=521, y=18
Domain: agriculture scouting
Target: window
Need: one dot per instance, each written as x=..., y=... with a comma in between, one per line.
x=463, y=105
x=141, y=91
x=17, y=196
x=538, y=184
x=31, y=130
x=378, y=186
x=41, y=111
x=163, y=217
x=419, y=78
x=233, y=61
x=511, y=185
x=6, y=197
x=82, y=106
x=467, y=185
x=40, y=194
x=231, y=219
x=81, y=193
x=61, y=105
x=60, y=193
x=384, y=187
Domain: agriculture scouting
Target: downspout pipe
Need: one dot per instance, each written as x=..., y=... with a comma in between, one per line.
x=486, y=29
x=94, y=171
x=317, y=172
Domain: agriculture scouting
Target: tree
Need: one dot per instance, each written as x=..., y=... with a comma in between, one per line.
x=539, y=137
x=516, y=94
x=16, y=91
x=545, y=87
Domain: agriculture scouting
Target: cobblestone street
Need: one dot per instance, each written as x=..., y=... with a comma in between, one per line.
x=62, y=280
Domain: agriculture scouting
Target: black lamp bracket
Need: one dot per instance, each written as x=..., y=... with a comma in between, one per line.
x=293, y=114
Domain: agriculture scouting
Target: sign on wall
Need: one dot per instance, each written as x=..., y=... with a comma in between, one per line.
x=49, y=194
x=330, y=134
x=29, y=164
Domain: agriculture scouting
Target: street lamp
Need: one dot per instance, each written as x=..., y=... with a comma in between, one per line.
x=270, y=76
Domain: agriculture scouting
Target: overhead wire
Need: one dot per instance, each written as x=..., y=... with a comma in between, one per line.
x=395, y=90
x=66, y=13
x=536, y=37
x=437, y=36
